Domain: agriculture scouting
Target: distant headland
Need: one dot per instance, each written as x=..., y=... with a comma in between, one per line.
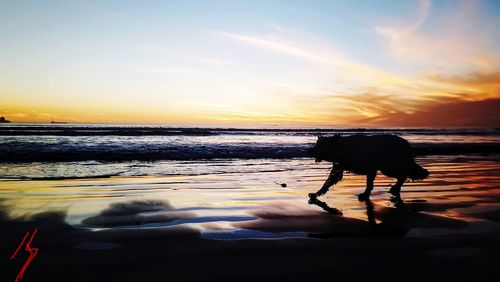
x=3, y=120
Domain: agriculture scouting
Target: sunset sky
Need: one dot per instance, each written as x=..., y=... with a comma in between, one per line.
x=301, y=63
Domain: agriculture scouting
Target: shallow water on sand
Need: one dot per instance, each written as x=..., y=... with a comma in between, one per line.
x=248, y=200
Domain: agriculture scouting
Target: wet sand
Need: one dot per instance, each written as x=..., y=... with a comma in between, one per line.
x=246, y=226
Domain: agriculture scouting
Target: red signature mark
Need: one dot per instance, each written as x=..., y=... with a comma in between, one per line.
x=29, y=249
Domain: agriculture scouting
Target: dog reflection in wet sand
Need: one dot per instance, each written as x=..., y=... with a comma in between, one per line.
x=366, y=155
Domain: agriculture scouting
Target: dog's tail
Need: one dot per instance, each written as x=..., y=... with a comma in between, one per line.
x=417, y=172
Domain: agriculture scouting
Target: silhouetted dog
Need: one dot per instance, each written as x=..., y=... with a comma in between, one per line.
x=365, y=154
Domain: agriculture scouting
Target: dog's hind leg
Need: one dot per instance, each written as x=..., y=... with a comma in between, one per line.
x=335, y=176
x=370, y=178
x=396, y=188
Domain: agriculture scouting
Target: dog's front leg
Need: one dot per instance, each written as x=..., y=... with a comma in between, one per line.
x=333, y=178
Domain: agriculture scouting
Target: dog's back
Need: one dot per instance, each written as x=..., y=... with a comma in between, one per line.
x=367, y=154
x=360, y=154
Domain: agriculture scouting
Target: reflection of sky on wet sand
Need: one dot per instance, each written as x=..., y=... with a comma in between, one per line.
x=459, y=196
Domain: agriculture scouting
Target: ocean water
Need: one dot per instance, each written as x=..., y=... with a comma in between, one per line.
x=60, y=151
x=240, y=182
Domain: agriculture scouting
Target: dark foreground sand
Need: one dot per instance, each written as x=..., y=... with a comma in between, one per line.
x=357, y=253
x=447, y=228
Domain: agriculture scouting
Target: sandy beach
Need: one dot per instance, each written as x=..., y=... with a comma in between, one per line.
x=248, y=226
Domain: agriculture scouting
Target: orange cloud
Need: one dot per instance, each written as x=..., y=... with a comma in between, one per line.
x=474, y=86
x=445, y=114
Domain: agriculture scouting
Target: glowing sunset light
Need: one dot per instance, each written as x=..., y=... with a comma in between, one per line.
x=230, y=63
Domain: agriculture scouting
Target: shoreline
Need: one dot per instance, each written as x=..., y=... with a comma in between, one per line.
x=244, y=226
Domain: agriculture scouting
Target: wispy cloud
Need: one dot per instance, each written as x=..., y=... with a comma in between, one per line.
x=472, y=86
x=167, y=70
x=186, y=57
x=316, y=52
x=278, y=27
x=453, y=42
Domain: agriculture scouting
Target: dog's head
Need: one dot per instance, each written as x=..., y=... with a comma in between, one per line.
x=324, y=147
